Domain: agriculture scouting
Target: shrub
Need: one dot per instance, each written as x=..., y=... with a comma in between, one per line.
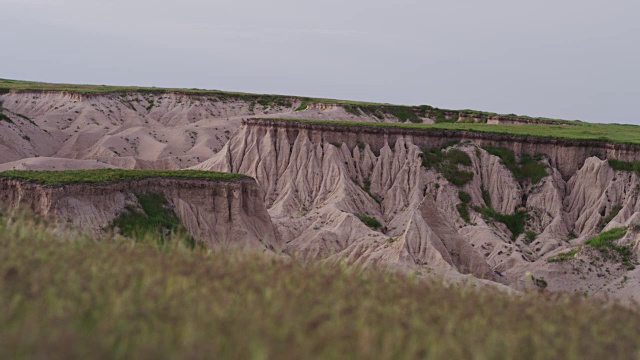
x=464, y=197
x=607, y=219
x=486, y=197
x=303, y=106
x=447, y=164
x=457, y=156
x=463, y=210
x=527, y=168
x=155, y=220
x=370, y=221
x=514, y=222
x=529, y=237
x=353, y=110
x=624, y=165
x=403, y=114
x=457, y=177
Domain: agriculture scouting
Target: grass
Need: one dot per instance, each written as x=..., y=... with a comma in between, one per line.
x=624, y=165
x=605, y=243
x=527, y=168
x=67, y=296
x=370, y=221
x=564, y=256
x=110, y=175
x=606, y=238
x=514, y=222
x=581, y=131
x=617, y=133
x=303, y=106
x=153, y=220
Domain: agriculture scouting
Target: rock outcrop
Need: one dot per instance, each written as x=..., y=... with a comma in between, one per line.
x=320, y=180
x=228, y=213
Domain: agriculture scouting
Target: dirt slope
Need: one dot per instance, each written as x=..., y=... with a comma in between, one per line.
x=315, y=188
x=137, y=130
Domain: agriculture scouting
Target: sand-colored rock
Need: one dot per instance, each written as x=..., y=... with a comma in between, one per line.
x=221, y=213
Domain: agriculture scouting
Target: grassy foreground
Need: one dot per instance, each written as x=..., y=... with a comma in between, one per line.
x=66, y=296
x=97, y=176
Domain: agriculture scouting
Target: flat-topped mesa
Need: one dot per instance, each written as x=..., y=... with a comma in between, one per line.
x=567, y=155
x=226, y=212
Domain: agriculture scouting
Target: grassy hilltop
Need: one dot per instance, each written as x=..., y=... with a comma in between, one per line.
x=70, y=296
x=411, y=115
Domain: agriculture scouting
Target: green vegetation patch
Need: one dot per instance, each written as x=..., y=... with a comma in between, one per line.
x=447, y=164
x=581, y=131
x=303, y=106
x=624, y=165
x=607, y=219
x=527, y=168
x=564, y=256
x=111, y=175
x=605, y=243
x=5, y=118
x=154, y=220
x=463, y=207
x=73, y=297
x=370, y=221
x=514, y=222
x=530, y=236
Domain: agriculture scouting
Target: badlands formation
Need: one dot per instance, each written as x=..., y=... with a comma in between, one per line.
x=466, y=206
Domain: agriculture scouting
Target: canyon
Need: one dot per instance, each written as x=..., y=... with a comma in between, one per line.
x=372, y=196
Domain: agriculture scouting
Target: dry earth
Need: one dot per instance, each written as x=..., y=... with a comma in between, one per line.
x=315, y=183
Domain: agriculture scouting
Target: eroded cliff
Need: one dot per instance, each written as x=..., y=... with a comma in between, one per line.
x=321, y=183
x=227, y=213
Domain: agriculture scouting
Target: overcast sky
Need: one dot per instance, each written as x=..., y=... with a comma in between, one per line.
x=572, y=59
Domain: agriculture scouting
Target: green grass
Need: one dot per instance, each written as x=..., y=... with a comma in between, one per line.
x=606, y=238
x=605, y=243
x=303, y=106
x=69, y=297
x=624, y=165
x=110, y=175
x=527, y=168
x=370, y=221
x=582, y=131
x=564, y=256
x=154, y=220
x=447, y=164
x=514, y=222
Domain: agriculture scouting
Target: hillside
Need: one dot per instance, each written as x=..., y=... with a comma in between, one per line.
x=66, y=296
x=456, y=194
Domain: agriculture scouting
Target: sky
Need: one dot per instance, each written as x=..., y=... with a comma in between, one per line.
x=568, y=59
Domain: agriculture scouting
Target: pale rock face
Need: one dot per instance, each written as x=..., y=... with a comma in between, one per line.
x=135, y=130
x=315, y=187
x=221, y=213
